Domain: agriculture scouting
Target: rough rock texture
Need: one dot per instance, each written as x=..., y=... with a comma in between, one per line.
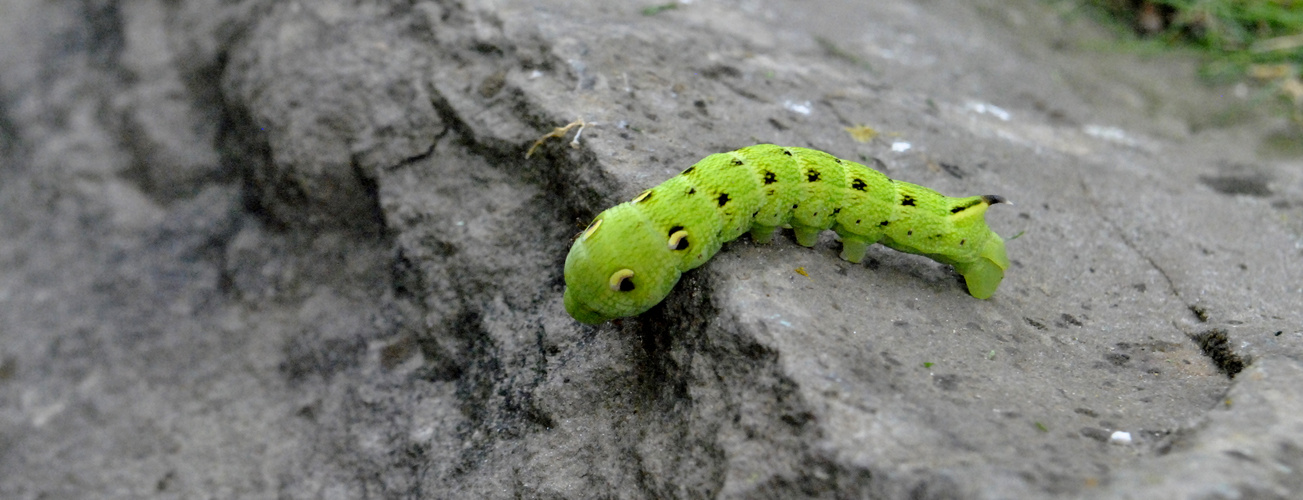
x=294, y=249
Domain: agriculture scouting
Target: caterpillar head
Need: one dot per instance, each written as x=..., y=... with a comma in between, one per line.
x=618, y=267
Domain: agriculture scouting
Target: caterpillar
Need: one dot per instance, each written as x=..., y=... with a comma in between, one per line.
x=632, y=254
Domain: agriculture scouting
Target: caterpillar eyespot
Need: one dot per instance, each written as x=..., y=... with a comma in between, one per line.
x=678, y=239
x=647, y=237
x=621, y=281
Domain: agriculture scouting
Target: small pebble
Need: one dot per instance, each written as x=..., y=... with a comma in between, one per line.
x=1120, y=437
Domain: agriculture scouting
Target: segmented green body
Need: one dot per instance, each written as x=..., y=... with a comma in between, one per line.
x=632, y=254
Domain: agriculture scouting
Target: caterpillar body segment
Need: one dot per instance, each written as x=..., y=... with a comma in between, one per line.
x=633, y=254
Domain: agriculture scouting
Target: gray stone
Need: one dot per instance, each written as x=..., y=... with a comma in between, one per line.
x=295, y=250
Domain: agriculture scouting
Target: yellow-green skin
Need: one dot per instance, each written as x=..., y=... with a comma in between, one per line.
x=632, y=255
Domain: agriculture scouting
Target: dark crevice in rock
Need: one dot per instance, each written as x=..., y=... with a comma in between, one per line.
x=498, y=408
x=1217, y=350
x=424, y=154
x=375, y=225
x=102, y=35
x=408, y=282
x=243, y=148
x=669, y=413
x=1254, y=185
x=307, y=356
x=442, y=362
x=478, y=372
x=687, y=331
x=137, y=172
x=559, y=174
x=1122, y=236
x=1238, y=179
x=1216, y=345
x=12, y=150
x=159, y=166
x=431, y=272
x=158, y=163
x=663, y=372
x=577, y=190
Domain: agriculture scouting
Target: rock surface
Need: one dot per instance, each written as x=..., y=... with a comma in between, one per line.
x=294, y=249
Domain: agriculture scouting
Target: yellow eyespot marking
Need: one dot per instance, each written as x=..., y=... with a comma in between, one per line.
x=645, y=194
x=677, y=239
x=592, y=228
x=620, y=281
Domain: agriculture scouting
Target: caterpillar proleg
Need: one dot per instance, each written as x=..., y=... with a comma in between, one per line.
x=632, y=254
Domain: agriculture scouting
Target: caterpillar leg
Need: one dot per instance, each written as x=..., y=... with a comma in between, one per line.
x=806, y=236
x=983, y=277
x=761, y=233
x=854, y=247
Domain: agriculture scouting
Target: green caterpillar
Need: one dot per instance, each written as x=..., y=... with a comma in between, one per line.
x=632, y=254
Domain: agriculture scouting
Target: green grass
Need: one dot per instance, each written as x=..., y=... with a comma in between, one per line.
x=657, y=9
x=1258, y=41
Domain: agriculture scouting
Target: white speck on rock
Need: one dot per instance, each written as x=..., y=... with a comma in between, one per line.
x=798, y=107
x=989, y=109
x=1111, y=134
x=1120, y=437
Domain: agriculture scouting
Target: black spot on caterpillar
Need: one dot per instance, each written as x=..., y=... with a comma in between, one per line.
x=626, y=285
x=961, y=208
x=644, y=242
